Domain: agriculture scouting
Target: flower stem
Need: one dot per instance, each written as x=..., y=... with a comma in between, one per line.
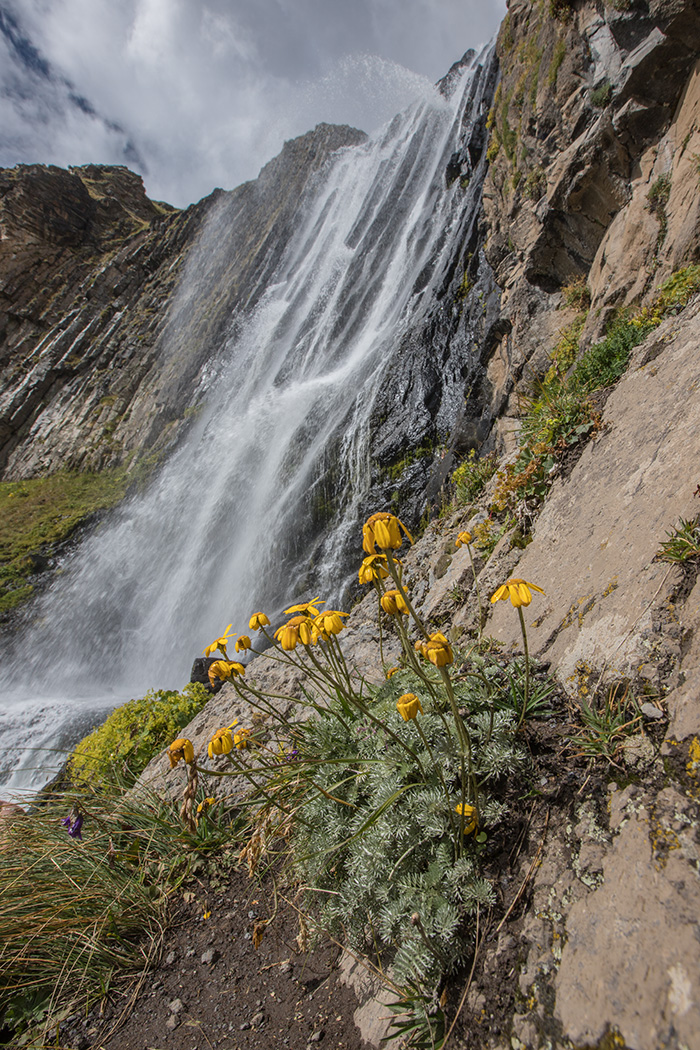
x=527, y=670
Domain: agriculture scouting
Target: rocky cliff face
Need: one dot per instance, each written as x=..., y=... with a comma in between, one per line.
x=593, y=139
x=101, y=359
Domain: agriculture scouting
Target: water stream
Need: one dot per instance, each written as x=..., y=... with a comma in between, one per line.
x=260, y=501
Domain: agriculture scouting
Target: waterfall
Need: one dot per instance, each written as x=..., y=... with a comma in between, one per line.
x=267, y=494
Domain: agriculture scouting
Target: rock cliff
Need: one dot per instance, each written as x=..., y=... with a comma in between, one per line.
x=95, y=369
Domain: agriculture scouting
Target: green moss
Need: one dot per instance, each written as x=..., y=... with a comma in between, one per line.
x=602, y=95
x=658, y=197
x=557, y=59
x=121, y=748
x=39, y=514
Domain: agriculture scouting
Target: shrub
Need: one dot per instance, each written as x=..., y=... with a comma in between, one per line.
x=119, y=749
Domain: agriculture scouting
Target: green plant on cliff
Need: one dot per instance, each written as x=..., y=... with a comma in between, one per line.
x=39, y=514
x=118, y=750
x=682, y=543
x=471, y=475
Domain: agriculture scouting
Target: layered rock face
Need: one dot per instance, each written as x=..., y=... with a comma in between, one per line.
x=95, y=367
x=592, y=144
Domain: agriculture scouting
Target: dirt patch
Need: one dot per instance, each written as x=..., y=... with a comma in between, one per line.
x=212, y=988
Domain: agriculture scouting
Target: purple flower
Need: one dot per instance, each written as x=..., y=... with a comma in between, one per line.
x=74, y=822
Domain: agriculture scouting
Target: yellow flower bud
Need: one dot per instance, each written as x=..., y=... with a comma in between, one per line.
x=408, y=706
x=392, y=602
x=258, y=621
x=373, y=568
x=517, y=590
x=330, y=622
x=383, y=530
x=242, y=643
x=181, y=748
x=438, y=650
x=463, y=539
x=221, y=743
x=470, y=817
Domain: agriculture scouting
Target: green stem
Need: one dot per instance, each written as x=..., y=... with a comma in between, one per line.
x=527, y=670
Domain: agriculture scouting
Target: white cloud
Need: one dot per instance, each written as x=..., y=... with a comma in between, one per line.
x=199, y=93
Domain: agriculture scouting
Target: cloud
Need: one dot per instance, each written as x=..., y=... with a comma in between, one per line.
x=200, y=93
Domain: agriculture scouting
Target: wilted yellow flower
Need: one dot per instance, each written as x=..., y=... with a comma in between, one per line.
x=240, y=739
x=517, y=590
x=373, y=568
x=384, y=531
x=205, y=803
x=219, y=643
x=223, y=670
x=463, y=539
x=392, y=671
x=408, y=706
x=309, y=608
x=243, y=642
x=438, y=650
x=470, y=817
x=298, y=629
x=258, y=621
x=329, y=622
x=392, y=602
x=181, y=748
x=221, y=743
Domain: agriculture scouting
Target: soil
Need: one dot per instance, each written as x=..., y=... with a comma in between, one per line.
x=212, y=988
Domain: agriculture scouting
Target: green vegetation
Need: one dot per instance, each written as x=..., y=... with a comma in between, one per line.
x=471, y=475
x=118, y=750
x=561, y=411
x=555, y=64
x=683, y=542
x=39, y=514
x=658, y=197
x=73, y=913
x=577, y=294
x=602, y=95
x=607, y=723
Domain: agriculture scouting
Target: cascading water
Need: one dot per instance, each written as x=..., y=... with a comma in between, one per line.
x=260, y=502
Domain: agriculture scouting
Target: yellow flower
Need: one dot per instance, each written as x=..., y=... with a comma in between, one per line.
x=221, y=743
x=517, y=590
x=258, y=621
x=219, y=643
x=392, y=671
x=384, y=531
x=373, y=568
x=224, y=670
x=242, y=643
x=329, y=622
x=309, y=608
x=470, y=817
x=205, y=803
x=181, y=748
x=298, y=629
x=240, y=740
x=392, y=602
x=438, y=650
x=408, y=706
x=463, y=539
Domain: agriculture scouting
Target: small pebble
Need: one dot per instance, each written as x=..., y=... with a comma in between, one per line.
x=170, y=958
x=172, y=1022
x=252, y=914
x=245, y=1026
x=175, y=1006
x=316, y=1037
x=210, y=956
x=651, y=711
x=257, y=1018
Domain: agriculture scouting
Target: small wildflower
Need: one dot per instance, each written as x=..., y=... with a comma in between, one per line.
x=308, y=608
x=408, y=706
x=330, y=622
x=224, y=670
x=258, y=621
x=181, y=748
x=470, y=817
x=243, y=642
x=205, y=804
x=393, y=603
x=373, y=568
x=298, y=629
x=240, y=740
x=517, y=590
x=73, y=822
x=221, y=743
x=392, y=671
x=438, y=650
x=383, y=530
x=219, y=643
x=463, y=539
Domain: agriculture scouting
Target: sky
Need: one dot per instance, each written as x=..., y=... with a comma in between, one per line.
x=195, y=94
